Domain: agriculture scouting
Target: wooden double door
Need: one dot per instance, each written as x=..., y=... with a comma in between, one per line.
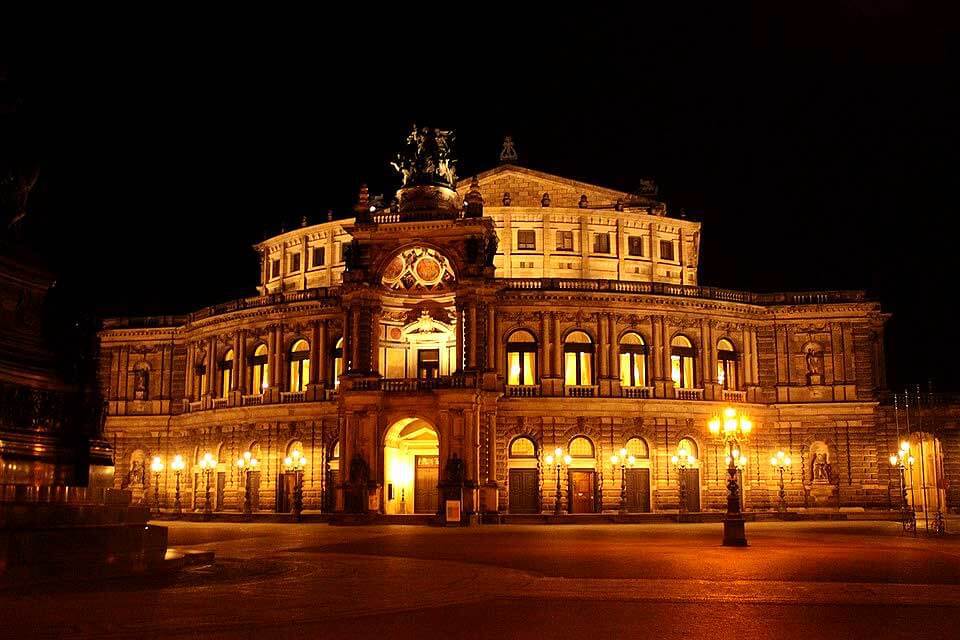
x=582, y=490
x=638, y=490
x=426, y=497
x=691, y=479
x=524, y=494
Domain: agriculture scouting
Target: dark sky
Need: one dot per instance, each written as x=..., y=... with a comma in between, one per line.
x=818, y=147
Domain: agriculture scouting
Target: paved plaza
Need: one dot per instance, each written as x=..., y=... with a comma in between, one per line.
x=796, y=580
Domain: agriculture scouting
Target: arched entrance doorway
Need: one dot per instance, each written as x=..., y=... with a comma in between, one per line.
x=411, y=467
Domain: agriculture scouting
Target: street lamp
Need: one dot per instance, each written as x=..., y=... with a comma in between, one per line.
x=157, y=467
x=247, y=464
x=207, y=464
x=908, y=519
x=682, y=461
x=177, y=465
x=296, y=462
x=781, y=462
x=555, y=459
x=623, y=460
x=729, y=428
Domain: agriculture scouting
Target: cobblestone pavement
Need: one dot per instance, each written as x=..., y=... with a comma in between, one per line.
x=796, y=580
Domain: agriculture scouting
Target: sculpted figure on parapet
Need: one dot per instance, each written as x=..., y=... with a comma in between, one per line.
x=427, y=158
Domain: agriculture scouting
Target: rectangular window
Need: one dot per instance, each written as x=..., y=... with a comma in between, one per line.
x=275, y=268
x=526, y=240
x=318, y=256
x=295, y=263
x=666, y=250
x=601, y=243
x=564, y=240
x=635, y=245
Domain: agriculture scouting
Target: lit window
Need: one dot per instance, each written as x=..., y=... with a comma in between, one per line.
x=564, y=240
x=681, y=362
x=635, y=245
x=633, y=361
x=601, y=243
x=666, y=250
x=521, y=358
x=526, y=240
x=688, y=445
x=726, y=364
x=226, y=374
x=299, y=365
x=637, y=448
x=523, y=447
x=581, y=447
x=578, y=359
x=337, y=362
x=260, y=371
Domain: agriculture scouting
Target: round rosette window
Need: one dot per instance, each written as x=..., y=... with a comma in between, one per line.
x=418, y=269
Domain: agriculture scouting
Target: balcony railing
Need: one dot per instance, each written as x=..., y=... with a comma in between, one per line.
x=730, y=395
x=581, y=391
x=253, y=399
x=194, y=406
x=636, y=392
x=690, y=394
x=522, y=390
x=292, y=396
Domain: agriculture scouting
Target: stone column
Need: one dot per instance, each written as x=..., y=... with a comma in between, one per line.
x=212, y=367
x=374, y=367
x=242, y=356
x=491, y=338
x=323, y=351
x=557, y=347
x=546, y=347
x=355, y=338
x=191, y=348
x=459, y=337
x=472, y=328
x=614, y=349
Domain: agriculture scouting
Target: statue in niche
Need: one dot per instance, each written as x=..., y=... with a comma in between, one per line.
x=141, y=383
x=813, y=356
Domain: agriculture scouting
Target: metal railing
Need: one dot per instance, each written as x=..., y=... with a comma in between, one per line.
x=636, y=392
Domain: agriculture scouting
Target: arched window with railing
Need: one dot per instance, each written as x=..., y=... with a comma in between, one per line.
x=521, y=358
x=726, y=364
x=578, y=359
x=299, y=366
x=259, y=369
x=633, y=360
x=226, y=373
x=337, y=362
x=682, y=357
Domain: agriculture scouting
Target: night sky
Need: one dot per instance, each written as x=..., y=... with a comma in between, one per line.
x=819, y=149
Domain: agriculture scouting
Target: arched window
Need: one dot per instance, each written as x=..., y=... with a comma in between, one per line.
x=299, y=365
x=578, y=359
x=226, y=373
x=260, y=369
x=521, y=358
x=337, y=362
x=581, y=447
x=726, y=364
x=686, y=444
x=633, y=361
x=141, y=381
x=637, y=448
x=681, y=362
x=523, y=447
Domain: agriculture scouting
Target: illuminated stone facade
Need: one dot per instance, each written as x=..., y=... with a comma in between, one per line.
x=445, y=345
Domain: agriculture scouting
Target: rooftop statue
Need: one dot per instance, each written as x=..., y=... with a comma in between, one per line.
x=427, y=158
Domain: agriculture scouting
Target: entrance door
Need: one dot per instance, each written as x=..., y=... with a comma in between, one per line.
x=254, y=480
x=428, y=363
x=581, y=491
x=692, y=478
x=638, y=490
x=425, y=492
x=523, y=491
x=286, y=482
x=221, y=486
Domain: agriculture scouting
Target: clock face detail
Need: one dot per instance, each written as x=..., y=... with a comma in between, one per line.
x=418, y=269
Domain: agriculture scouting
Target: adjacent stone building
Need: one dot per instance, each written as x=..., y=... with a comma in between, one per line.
x=446, y=345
